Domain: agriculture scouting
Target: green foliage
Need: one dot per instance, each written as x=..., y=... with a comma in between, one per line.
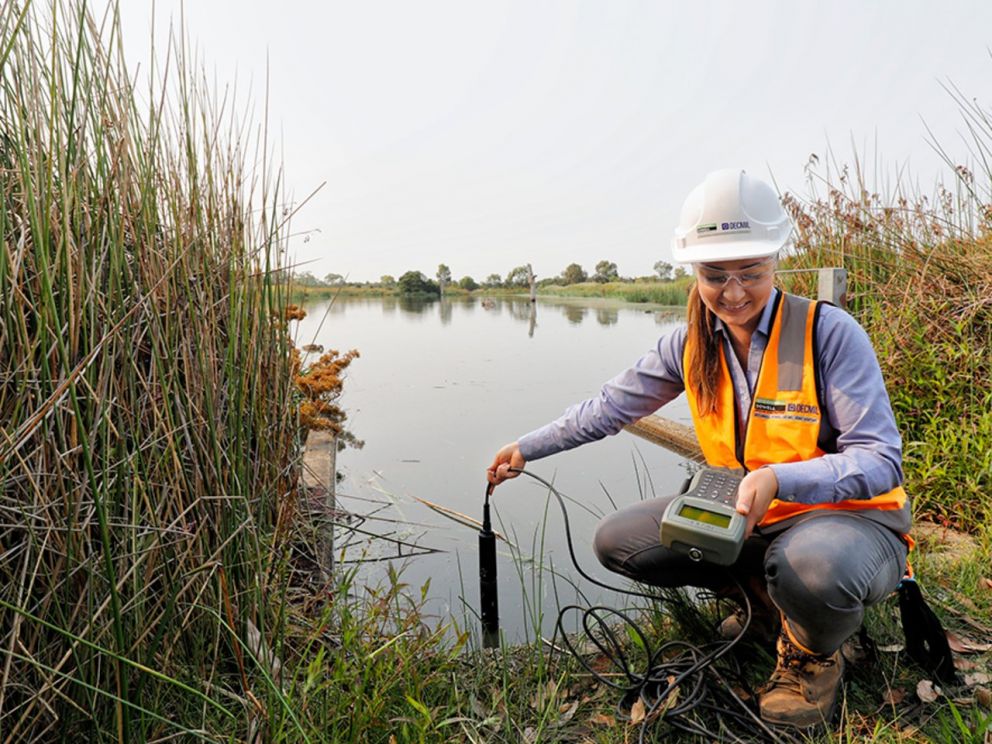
x=307, y=279
x=493, y=281
x=468, y=283
x=573, y=274
x=606, y=271
x=518, y=277
x=377, y=669
x=663, y=269
x=387, y=280
x=954, y=726
x=415, y=283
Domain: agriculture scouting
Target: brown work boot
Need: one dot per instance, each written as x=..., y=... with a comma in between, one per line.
x=765, y=616
x=803, y=688
x=764, y=626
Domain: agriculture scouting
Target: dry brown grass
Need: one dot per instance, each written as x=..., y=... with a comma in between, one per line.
x=920, y=282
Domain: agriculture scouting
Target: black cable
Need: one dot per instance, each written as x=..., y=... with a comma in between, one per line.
x=680, y=678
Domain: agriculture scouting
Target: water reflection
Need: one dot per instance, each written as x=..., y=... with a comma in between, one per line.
x=574, y=313
x=519, y=309
x=607, y=316
x=415, y=304
x=335, y=306
x=670, y=316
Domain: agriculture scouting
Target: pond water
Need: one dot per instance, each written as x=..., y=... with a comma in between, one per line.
x=439, y=387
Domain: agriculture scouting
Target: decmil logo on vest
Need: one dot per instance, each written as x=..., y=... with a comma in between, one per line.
x=769, y=408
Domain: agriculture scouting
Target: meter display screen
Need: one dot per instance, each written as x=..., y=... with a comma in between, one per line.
x=702, y=515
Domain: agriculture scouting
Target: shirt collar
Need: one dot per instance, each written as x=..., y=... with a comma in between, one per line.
x=764, y=322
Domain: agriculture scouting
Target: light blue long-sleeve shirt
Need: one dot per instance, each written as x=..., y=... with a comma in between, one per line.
x=862, y=428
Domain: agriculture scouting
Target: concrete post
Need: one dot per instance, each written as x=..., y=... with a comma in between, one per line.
x=320, y=480
x=833, y=286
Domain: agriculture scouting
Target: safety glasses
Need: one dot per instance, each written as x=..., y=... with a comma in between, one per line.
x=749, y=277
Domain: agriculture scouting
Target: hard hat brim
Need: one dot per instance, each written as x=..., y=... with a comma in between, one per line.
x=725, y=251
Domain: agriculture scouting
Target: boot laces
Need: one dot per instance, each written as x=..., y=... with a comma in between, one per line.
x=792, y=662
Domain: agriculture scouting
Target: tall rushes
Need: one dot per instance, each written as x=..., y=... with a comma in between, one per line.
x=920, y=282
x=147, y=438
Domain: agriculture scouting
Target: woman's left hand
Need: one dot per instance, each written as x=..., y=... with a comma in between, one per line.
x=755, y=494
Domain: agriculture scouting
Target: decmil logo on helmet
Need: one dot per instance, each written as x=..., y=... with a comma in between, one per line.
x=736, y=226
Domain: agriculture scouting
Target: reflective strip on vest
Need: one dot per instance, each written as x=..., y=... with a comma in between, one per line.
x=784, y=421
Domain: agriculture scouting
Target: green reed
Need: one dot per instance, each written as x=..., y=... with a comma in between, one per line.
x=145, y=392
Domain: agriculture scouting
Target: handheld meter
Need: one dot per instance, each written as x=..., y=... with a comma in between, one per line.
x=702, y=523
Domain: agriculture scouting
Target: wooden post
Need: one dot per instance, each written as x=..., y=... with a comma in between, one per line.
x=530, y=281
x=671, y=435
x=320, y=479
x=833, y=286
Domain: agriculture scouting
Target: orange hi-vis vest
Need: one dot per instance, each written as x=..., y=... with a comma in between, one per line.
x=785, y=420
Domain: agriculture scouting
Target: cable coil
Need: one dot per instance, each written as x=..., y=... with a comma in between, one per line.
x=681, y=680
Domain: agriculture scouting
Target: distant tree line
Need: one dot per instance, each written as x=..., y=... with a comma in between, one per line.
x=606, y=271
x=416, y=283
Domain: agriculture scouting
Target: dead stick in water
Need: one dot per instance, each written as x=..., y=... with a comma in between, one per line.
x=457, y=516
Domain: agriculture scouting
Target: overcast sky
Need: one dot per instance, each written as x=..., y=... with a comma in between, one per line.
x=488, y=135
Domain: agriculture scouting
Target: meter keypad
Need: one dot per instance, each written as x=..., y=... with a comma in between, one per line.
x=716, y=485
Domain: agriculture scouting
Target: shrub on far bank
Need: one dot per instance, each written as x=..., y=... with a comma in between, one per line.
x=415, y=283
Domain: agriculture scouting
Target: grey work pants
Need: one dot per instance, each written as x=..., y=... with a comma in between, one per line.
x=822, y=571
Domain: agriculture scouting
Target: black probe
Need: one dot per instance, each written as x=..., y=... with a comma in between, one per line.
x=488, y=591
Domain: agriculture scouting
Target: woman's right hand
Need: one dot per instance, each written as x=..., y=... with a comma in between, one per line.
x=508, y=457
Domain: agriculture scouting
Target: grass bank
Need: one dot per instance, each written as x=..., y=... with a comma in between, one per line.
x=300, y=293
x=661, y=293
x=672, y=293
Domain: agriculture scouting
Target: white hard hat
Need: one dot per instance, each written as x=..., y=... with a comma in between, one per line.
x=730, y=216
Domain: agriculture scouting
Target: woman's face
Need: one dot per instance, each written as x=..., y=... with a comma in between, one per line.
x=736, y=291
